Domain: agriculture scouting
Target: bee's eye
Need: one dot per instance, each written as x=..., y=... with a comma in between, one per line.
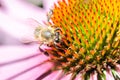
x=57, y=40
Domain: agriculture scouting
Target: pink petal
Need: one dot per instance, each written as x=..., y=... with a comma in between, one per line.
x=56, y=75
x=79, y=77
x=21, y=62
x=118, y=68
x=67, y=77
x=9, y=53
x=14, y=21
x=93, y=76
x=59, y=75
x=109, y=75
x=15, y=28
x=52, y=75
x=6, y=39
x=49, y=4
x=22, y=9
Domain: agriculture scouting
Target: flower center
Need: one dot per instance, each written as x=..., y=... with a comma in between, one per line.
x=90, y=35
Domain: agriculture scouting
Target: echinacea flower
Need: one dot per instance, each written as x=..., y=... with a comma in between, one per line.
x=88, y=45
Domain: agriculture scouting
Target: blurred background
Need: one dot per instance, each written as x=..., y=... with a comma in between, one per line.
x=7, y=13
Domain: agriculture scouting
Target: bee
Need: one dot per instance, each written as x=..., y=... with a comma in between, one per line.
x=47, y=35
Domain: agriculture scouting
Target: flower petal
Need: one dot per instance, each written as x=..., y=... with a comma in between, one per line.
x=108, y=74
x=49, y=4
x=9, y=53
x=93, y=76
x=21, y=63
x=51, y=75
x=17, y=16
x=67, y=77
x=79, y=76
x=15, y=28
x=118, y=68
x=56, y=75
x=22, y=9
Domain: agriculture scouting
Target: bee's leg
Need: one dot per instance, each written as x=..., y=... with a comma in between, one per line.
x=49, y=14
x=57, y=46
x=44, y=52
x=57, y=42
x=57, y=32
x=57, y=39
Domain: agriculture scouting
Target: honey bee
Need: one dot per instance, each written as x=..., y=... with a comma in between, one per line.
x=47, y=35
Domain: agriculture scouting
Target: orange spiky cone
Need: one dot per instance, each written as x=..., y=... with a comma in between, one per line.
x=90, y=37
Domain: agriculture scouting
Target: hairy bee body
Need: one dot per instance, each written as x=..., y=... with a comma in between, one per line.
x=44, y=35
x=47, y=35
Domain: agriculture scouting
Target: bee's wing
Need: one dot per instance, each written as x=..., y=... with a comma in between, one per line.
x=36, y=27
x=33, y=24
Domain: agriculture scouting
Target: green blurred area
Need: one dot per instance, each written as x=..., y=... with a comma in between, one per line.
x=36, y=2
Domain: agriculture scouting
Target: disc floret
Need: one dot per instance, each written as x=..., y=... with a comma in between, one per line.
x=90, y=36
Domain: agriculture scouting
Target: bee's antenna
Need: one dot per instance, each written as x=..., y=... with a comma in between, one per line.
x=49, y=14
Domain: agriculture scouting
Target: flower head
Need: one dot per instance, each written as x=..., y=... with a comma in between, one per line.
x=82, y=41
x=89, y=37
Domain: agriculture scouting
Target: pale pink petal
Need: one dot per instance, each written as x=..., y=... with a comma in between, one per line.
x=93, y=76
x=9, y=53
x=15, y=28
x=118, y=68
x=57, y=75
x=18, y=62
x=79, y=77
x=67, y=77
x=109, y=74
x=49, y=4
x=14, y=21
x=22, y=9
x=30, y=73
x=6, y=39
x=51, y=75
